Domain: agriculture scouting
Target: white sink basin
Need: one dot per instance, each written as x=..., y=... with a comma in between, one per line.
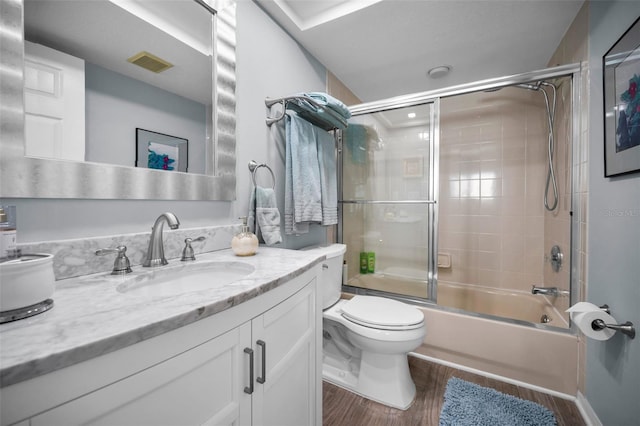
x=189, y=277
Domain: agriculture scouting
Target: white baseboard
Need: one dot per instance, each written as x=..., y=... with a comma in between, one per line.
x=588, y=414
x=496, y=377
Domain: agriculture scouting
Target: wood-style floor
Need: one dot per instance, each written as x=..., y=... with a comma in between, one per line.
x=343, y=408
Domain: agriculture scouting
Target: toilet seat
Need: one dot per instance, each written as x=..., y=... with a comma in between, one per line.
x=374, y=332
x=381, y=313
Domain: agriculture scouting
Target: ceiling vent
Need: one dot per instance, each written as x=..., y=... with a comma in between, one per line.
x=150, y=62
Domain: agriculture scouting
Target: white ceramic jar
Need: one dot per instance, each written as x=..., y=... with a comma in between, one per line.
x=26, y=281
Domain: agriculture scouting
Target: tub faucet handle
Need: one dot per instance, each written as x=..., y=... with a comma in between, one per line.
x=121, y=265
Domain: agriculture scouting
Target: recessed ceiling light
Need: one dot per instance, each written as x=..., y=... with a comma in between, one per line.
x=411, y=115
x=438, y=72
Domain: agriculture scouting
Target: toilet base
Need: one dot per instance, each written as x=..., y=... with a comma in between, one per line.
x=379, y=377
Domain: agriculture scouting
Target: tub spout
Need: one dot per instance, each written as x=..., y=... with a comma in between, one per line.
x=548, y=291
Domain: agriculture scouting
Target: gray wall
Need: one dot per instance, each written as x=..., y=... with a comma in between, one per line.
x=613, y=366
x=269, y=63
x=117, y=105
x=268, y=72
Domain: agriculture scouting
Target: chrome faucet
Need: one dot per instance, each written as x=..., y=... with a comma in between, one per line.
x=548, y=291
x=155, y=253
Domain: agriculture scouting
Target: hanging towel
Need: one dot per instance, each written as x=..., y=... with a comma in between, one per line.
x=356, y=138
x=305, y=172
x=251, y=216
x=303, y=198
x=264, y=217
x=328, y=178
x=267, y=215
x=290, y=226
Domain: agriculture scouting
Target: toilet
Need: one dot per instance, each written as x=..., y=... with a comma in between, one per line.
x=366, y=339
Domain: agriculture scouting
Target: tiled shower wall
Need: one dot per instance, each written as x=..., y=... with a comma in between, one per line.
x=557, y=223
x=574, y=48
x=492, y=175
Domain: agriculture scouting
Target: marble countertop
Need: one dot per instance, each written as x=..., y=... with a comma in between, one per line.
x=90, y=317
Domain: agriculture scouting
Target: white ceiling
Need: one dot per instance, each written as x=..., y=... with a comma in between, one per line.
x=384, y=48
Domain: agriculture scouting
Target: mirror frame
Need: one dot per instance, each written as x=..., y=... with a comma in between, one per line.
x=24, y=177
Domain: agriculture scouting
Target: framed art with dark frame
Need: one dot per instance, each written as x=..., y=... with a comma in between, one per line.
x=162, y=152
x=621, y=71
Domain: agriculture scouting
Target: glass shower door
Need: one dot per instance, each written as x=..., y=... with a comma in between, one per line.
x=387, y=200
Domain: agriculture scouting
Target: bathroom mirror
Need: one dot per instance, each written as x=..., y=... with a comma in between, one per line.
x=187, y=34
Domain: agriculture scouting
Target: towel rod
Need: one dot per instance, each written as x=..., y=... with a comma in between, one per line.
x=387, y=201
x=269, y=102
x=254, y=166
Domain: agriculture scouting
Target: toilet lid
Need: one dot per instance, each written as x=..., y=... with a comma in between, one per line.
x=379, y=312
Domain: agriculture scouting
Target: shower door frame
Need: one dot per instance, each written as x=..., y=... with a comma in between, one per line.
x=433, y=97
x=432, y=211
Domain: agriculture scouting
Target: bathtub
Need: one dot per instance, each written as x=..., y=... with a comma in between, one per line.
x=493, y=331
x=510, y=304
x=515, y=305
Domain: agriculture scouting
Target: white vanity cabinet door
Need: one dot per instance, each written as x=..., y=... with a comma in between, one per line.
x=288, y=394
x=204, y=385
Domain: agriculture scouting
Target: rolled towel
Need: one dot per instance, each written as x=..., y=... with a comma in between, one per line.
x=320, y=117
x=330, y=102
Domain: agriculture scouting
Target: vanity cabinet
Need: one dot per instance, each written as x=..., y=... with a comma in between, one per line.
x=233, y=368
x=200, y=386
x=285, y=337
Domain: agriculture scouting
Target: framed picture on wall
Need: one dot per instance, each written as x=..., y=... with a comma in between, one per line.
x=621, y=71
x=162, y=152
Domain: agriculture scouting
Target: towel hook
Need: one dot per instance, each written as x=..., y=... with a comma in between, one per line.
x=253, y=167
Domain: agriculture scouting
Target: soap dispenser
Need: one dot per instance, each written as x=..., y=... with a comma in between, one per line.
x=245, y=243
x=7, y=232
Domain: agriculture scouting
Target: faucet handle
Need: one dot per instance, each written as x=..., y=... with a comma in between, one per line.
x=187, y=251
x=121, y=265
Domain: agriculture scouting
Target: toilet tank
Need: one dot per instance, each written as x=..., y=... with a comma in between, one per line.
x=330, y=285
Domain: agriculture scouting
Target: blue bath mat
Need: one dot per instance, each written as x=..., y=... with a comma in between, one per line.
x=468, y=404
